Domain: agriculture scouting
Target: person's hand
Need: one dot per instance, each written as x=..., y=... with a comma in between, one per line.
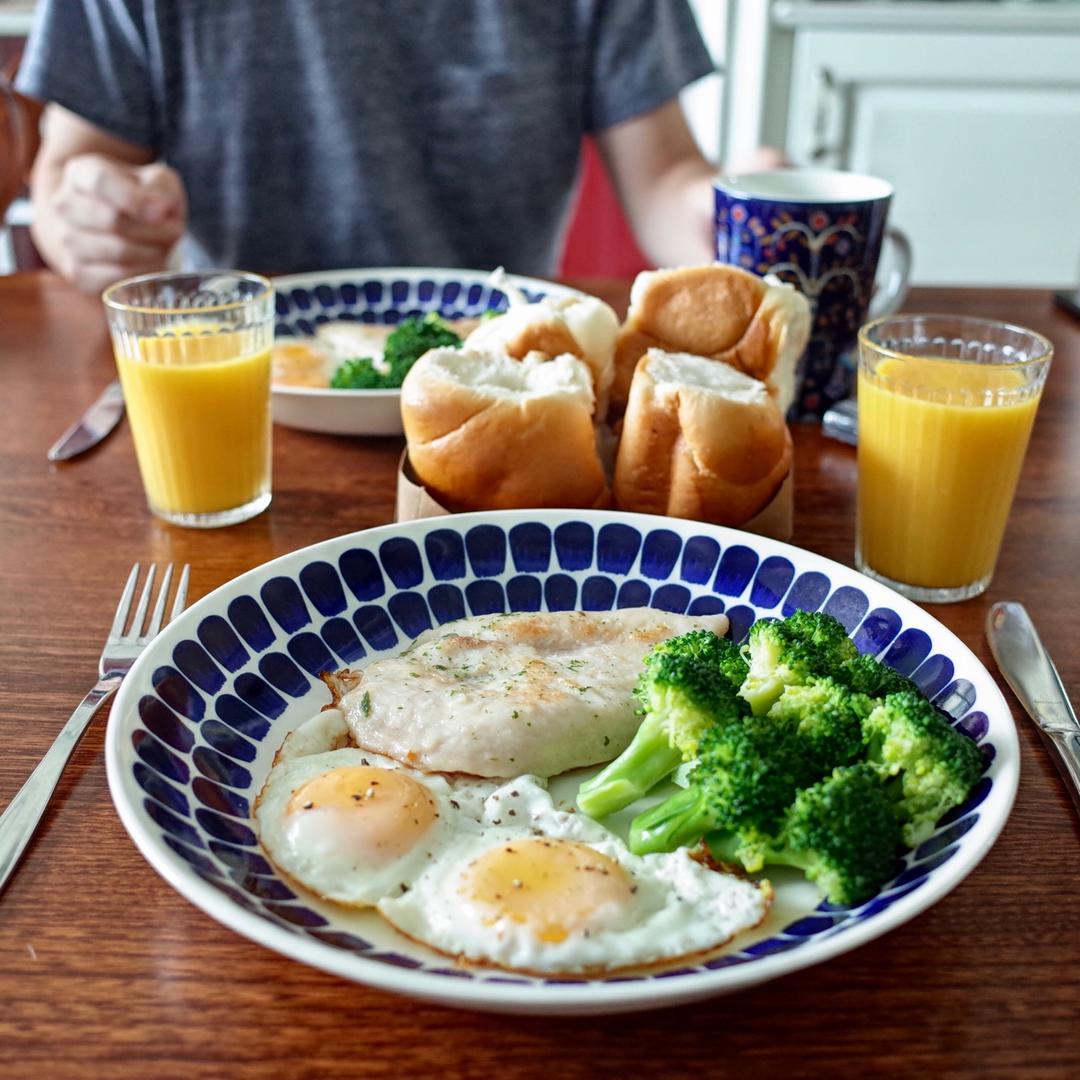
x=761, y=159
x=111, y=220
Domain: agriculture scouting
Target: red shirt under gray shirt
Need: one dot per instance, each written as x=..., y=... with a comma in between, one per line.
x=314, y=134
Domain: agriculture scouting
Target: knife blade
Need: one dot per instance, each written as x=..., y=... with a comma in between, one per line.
x=842, y=422
x=92, y=426
x=1028, y=669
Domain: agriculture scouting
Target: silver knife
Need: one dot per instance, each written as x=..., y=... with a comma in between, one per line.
x=1030, y=672
x=842, y=422
x=92, y=426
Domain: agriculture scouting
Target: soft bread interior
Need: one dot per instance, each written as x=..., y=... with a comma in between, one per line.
x=502, y=377
x=584, y=327
x=673, y=372
x=787, y=313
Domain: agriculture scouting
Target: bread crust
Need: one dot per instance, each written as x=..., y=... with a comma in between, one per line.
x=694, y=450
x=718, y=311
x=478, y=447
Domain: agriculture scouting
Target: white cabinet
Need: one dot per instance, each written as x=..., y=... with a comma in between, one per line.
x=971, y=110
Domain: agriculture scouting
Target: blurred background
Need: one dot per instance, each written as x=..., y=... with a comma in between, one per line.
x=971, y=108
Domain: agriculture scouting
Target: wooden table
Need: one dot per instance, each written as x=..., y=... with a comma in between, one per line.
x=105, y=971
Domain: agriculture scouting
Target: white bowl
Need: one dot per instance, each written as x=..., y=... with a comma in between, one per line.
x=384, y=296
x=198, y=720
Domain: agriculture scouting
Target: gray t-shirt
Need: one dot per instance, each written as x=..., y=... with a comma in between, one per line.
x=314, y=134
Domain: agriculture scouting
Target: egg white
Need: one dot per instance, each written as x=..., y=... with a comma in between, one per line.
x=674, y=906
x=325, y=849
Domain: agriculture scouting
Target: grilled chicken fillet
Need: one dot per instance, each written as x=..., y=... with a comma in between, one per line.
x=502, y=695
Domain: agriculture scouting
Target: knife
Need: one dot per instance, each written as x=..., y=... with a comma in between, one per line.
x=1030, y=672
x=842, y=422
x=92, y=426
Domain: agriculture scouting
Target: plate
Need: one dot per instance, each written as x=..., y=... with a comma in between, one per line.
x=199, y=718
x=384, y=296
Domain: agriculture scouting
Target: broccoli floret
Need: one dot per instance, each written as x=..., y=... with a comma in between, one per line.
x=870, y=676
x=684, y=692
x=792, y=650
x=746, y=776
x=360, y=373
x=732, y=662
x=937, y=766
x=414, y=337
x=827, y=717
x=842, y=833
x=406, y=343
x=685, y=681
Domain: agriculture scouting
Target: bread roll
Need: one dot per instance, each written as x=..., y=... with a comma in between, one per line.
x=700, y=440
x=584, y=327
x=758, y=325
x=488, y=432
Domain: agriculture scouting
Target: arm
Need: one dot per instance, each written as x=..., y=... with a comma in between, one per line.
x=665, y=184
x=103, y=209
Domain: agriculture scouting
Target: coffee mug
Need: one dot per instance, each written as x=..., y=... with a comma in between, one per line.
x=822, y=231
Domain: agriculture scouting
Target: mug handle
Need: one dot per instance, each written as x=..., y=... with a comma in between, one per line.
x=892, y=291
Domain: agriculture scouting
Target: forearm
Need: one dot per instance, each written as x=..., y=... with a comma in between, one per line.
x=46, y=228
x=664, y=184
x=673, y=223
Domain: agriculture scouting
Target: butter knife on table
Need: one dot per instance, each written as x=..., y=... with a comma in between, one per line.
x=92, y=426
x=1030, y=672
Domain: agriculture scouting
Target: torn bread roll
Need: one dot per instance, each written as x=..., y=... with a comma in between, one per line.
x=488, y=432
x=700, y=440
x=583, y=326
x=758, y=325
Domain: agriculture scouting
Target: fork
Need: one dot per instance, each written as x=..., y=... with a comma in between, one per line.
x=23, y=814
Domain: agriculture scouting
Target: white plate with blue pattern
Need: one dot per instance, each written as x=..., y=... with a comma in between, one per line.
x=383, y=296
x=197, y=722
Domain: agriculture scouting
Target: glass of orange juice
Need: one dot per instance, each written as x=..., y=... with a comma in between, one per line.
x=946, y=406
x=193, y=352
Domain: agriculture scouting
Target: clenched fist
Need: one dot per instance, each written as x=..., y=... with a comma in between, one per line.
x=107, y=220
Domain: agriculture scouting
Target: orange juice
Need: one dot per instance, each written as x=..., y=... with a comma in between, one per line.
x=941, y=443
x=199, y=407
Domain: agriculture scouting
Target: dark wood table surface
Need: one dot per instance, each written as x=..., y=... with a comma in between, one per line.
x=106, y=971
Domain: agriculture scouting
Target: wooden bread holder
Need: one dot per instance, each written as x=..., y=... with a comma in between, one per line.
x=413, y=502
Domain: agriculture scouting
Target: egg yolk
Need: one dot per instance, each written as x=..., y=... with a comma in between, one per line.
x=554, y=887
x=374, y=815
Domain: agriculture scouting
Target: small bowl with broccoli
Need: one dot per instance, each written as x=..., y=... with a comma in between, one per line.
x=345, y=339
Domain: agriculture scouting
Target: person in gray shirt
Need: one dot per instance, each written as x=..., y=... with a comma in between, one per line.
x=289, y=135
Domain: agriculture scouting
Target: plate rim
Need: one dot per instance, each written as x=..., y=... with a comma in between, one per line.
x=413, y=273
x=589, y=996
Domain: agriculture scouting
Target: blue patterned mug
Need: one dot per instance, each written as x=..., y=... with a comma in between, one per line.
x=822, y=231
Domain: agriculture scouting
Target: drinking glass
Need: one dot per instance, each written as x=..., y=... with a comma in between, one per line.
x=193, y=353
x=946, y=406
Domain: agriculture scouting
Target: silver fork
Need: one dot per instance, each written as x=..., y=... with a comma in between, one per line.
x=23, y=814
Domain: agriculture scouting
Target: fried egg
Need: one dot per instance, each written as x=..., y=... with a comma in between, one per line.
x=545, y=891
x=352, y=826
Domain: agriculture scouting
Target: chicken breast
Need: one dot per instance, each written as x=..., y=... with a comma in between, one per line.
x=502, y=695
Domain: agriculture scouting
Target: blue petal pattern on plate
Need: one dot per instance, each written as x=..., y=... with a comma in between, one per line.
x=379, y=296
x=195, y=732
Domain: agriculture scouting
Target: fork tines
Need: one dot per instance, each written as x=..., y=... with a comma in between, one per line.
x=137, y=629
